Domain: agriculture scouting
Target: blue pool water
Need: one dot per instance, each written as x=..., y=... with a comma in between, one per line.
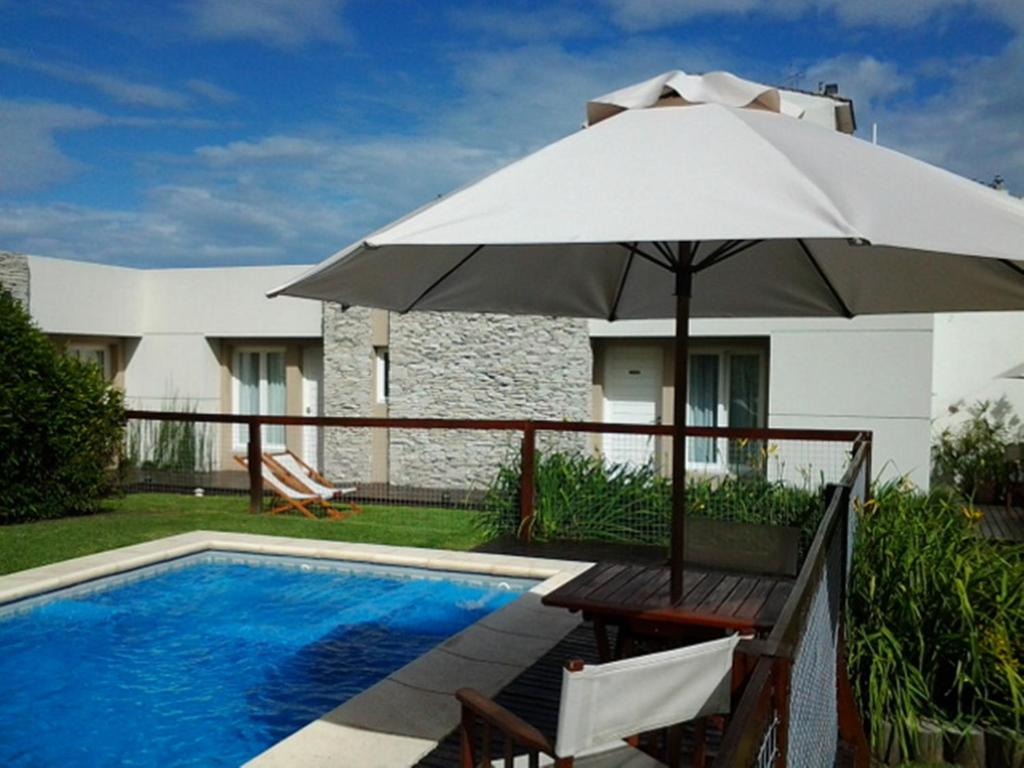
x=212, y=659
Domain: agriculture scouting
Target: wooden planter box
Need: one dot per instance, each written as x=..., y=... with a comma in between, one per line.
x=975, y=748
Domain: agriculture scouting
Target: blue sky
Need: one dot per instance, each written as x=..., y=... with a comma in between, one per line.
x=218, y=132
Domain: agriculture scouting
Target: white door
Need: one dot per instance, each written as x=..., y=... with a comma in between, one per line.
x=632, y=395
x=312, y=376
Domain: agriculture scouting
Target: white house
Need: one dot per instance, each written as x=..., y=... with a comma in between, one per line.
x=203, y=339
x=208, y=339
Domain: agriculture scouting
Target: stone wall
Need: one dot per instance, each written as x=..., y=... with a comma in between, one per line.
x=348, y=360
x=453, y=365
x=14, y=275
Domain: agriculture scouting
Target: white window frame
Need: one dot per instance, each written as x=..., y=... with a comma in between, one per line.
x=74, y=349
x=240, y=433
x=724, y=353
x=381, y=373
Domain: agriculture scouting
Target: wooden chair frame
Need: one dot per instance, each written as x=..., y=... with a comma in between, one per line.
x=296, y=482
x=285, y=502
x=516, y=732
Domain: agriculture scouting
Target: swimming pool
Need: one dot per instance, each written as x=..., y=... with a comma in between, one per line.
x=212, y=658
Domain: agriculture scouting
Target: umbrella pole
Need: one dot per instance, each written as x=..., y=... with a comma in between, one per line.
x=684, y=288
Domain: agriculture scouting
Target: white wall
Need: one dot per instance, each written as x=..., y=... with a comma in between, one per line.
x=82, y=299
x=972, y=352
x=166, y=367
x=171, y=319
x=229, y=301
x=870, y=373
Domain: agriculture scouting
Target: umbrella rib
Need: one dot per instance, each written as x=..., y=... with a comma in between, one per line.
x=828, y=283
x=622, y=285
x=1015, y=267
x=720, y=250
x=632, y=248
x=722, y=253
x=665, y=251
x=442, y=278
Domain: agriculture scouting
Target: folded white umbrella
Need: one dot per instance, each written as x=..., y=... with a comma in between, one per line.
x=694, y=186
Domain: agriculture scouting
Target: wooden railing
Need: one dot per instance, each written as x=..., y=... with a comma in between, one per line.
x=758, y=732
x=528, y=428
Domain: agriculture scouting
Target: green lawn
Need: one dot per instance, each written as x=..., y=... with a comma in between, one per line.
x=143, y=517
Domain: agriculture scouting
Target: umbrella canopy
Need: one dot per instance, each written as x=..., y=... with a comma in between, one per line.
x=839, y=227
x=710, y=187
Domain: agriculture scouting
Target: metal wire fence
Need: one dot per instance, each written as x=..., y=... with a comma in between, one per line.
x=587, y=481
x=804, y=649
x=813, y=710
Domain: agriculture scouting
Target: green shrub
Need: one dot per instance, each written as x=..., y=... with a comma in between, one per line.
x=61, y=424
x=579, y=497
x=936, y=617
x=973, y=454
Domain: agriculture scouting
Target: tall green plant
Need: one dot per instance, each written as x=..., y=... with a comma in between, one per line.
x=972, y=454
x=936, y=617
x=175, y=446
x=581, y=497
x=61, y=424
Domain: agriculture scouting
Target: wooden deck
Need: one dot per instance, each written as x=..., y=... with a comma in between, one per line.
x=1001, y=523
x=640, y=594
x=534, y=697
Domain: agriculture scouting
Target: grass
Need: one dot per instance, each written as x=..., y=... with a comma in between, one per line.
x=144, y=517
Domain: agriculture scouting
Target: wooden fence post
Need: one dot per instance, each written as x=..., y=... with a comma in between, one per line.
x=781, y=672
x=527, y=462
x=255, y=459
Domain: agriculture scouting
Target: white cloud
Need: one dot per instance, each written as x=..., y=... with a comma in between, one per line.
x=865, y=79
x=155, y=236
x=272, y=148
x=29, y=156
x=974, y=126
x=550, y=22
x=120, y=89
x=637, y=15
x=518, y=99
x=211, y=91
x=279, y=23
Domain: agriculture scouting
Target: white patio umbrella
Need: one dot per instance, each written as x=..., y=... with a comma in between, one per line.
x=694, y=196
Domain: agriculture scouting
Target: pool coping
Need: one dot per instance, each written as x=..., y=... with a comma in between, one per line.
x=403, y=717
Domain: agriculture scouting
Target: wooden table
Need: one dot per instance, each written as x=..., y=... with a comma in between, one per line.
x=636, y=600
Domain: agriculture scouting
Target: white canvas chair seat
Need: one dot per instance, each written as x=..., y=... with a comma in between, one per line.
x=279, y=486
x=609, y=756
x=283, y=488
x=301, y=474
x=603, y=704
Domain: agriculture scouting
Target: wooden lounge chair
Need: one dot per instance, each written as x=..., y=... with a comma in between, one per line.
x=287, y=465
x=603, y=706
x=289, y=496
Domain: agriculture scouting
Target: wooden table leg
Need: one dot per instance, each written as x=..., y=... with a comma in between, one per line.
x=674, y=746
x=623, y=642
x=604, y=650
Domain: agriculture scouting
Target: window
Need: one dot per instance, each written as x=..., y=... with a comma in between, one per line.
x=725, y=389
x=382, y=373
x=97, y=354
x=259, y=388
